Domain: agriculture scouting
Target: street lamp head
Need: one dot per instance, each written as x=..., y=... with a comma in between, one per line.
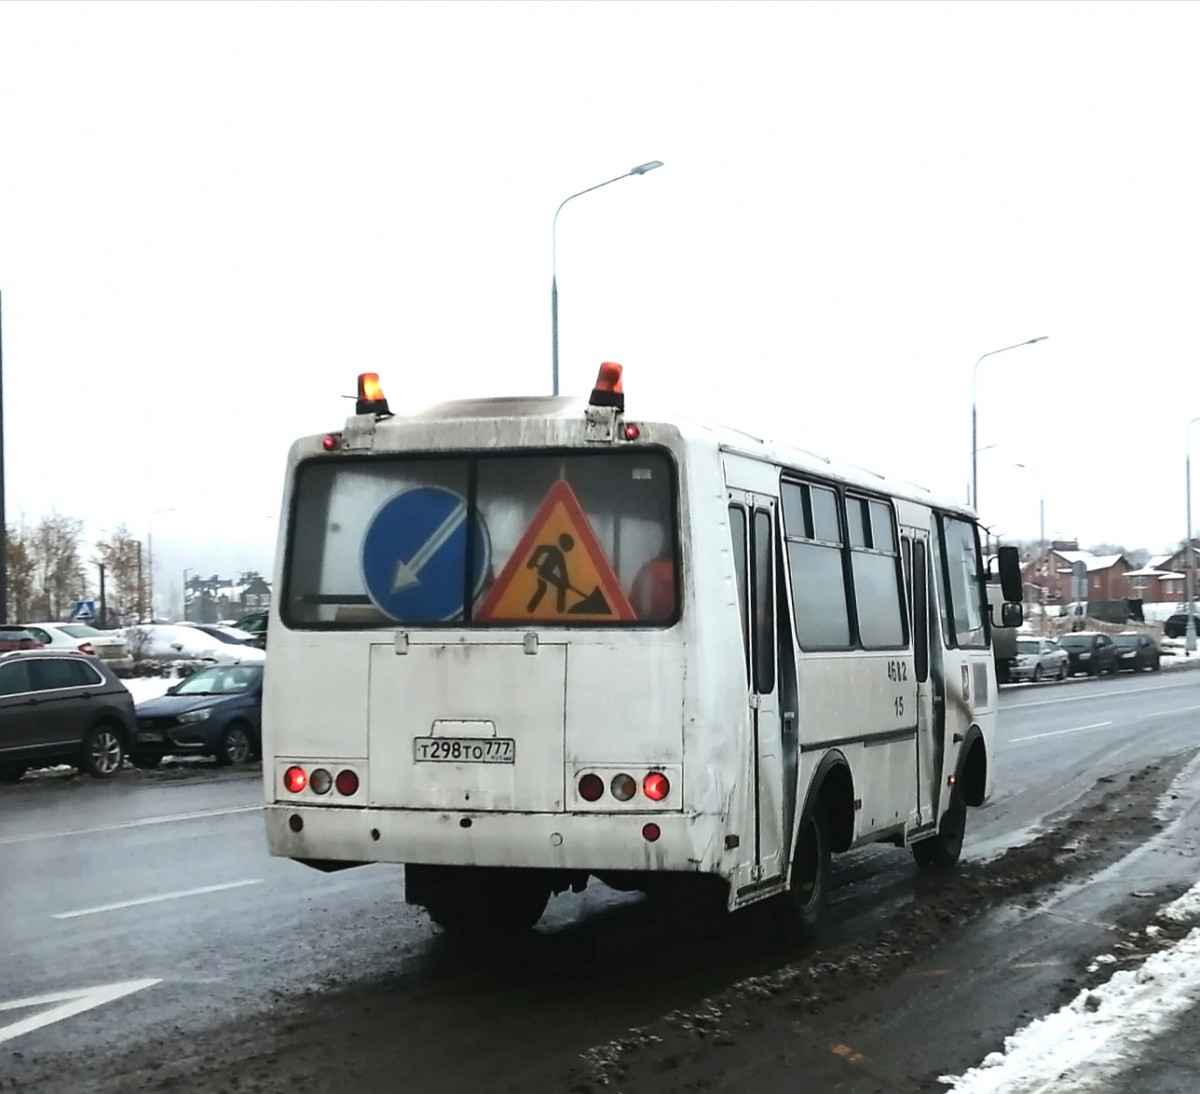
x=1039, y=338
x=642, y=168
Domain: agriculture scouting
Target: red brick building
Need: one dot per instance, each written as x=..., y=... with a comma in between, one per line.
x=1052, y=570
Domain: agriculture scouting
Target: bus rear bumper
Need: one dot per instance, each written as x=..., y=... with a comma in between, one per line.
x=553, y=841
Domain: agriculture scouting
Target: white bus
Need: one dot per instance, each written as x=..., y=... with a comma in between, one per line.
x=522, y=642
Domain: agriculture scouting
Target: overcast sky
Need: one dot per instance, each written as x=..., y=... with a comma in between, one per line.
x=213, y=216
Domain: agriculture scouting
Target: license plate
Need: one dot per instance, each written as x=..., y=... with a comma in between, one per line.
x=465, y=750
x=149, y=736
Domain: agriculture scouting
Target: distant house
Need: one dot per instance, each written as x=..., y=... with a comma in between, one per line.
x=1156, y=582
x=1052, y=570
x=1178, y=562
x=209, y=599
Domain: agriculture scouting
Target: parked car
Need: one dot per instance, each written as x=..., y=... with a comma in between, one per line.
x=255, y=625
x=60, y=707
x=109, y=646
x=17, y=638
x=1176, y=625
x=1090, y=652
x=1136, y=652
x=1040, y=659
x=229, y=635
x=216, y=712
x=173, y=642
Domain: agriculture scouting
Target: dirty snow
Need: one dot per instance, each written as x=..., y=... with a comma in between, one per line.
x=1101, y=1033
x=1185, y=908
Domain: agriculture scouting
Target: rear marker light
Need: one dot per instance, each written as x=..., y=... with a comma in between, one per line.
x=329, y=443
x=656, y=786
x=320, y=781
x=632, y=432
x=591, y=788
x=623, y=787
x=651, y=832
x=295, y=779
x=346, y=783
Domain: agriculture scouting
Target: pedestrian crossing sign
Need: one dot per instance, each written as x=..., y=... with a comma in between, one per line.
x=558, y=571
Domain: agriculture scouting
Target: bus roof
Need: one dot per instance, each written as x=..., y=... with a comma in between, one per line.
x=521, y=409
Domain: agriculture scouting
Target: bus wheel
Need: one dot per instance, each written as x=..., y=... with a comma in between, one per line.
x=482, y=900
x=942, y=851
x=808, y=890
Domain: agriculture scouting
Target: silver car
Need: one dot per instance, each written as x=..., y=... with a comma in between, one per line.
x=1040, y=659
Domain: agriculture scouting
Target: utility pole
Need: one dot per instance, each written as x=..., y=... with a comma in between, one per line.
x=141, y=604
x=103, y=600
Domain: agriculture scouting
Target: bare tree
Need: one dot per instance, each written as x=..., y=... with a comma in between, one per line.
x=125, y=589
x=55, y=546
x=22, y=573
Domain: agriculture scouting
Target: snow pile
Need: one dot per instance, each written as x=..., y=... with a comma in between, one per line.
x=1100, y=1033
x=1185, y=908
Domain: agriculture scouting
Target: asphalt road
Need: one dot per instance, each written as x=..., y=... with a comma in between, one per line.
x=157, y=890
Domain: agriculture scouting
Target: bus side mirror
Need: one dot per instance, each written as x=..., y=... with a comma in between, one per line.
x=1011, y=615
x=1010, y=574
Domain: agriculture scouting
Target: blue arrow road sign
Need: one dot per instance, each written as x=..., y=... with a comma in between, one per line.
x=414, y=555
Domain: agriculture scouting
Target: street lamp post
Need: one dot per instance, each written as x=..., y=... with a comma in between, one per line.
x=103, y=620
x=975, y=415
x=641, y=169
x=186, y=570
x=1190, y=556
x=150, y=556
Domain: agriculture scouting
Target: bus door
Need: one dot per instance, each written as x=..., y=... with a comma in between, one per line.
x=931, y=707
x=752, y=524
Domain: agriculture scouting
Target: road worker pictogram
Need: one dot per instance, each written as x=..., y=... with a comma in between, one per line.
x=558, y=571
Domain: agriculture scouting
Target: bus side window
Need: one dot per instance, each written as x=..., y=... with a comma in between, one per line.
x=737, y=530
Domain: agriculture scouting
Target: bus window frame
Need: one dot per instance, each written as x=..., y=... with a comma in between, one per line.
x=856, y=495
x=472, y=458
x=946, y=591
x=842, y=493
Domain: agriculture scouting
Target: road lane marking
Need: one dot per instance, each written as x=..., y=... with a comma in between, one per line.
x=199, y=814
x=69, y=1003
x=1058, y=732
x=1165, y=713
x=158, y=899
x=1096, y=695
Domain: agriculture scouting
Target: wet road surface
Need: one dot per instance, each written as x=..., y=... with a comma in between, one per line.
x=283, y=978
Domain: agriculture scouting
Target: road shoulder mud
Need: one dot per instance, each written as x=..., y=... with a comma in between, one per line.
x=763, y=1031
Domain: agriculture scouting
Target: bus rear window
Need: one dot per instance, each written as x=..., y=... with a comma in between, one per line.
x=545, y=539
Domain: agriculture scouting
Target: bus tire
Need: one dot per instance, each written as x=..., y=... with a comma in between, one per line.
x=475, y=901
x=941, y=852
x=808, y=887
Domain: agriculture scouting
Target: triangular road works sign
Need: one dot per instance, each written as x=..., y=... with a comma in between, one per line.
x=558, y=572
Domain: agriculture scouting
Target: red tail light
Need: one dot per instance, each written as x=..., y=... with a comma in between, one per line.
x=295, y=779
x=651, y=832
x=346, y=783
x=88, y=648
x=591, y=788
x=656, y=786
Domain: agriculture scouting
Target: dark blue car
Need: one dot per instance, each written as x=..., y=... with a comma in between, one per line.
x=215, y=712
